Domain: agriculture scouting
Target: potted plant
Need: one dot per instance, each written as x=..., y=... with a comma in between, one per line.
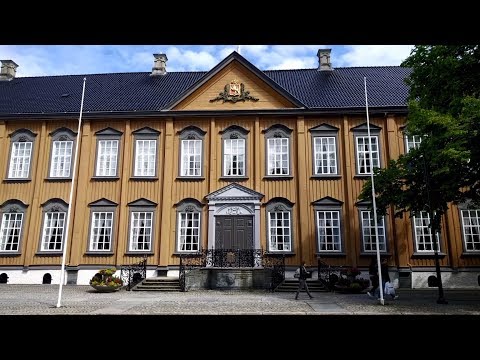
x=105, y=281
x=348, y=281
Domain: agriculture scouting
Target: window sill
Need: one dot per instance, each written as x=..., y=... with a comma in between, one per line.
x=51, y=253
x=144, y=178
x=191, y=253
x=278, y=177
x=326, y=177
x=280, y=253
x=234, y=178
x=330, y=254
x=429, y=254
x=470, y=254
x=16, y=180
x=59, y=179
x=99, y=253
x=190, y=178
x=8, y=254
x=139, y=253
x=105, y=178
x=374, y=253
x=362, y=177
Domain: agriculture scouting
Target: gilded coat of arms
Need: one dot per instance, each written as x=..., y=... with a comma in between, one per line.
x=233, y=92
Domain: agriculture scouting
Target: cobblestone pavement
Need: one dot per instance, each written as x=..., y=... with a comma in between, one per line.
x=83, y=300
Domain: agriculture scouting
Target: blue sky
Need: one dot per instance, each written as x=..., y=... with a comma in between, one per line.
x=39, y=60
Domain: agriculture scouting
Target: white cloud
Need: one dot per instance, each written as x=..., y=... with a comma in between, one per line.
x=373, y=55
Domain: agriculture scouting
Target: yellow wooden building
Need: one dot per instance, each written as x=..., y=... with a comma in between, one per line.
x=170, y=163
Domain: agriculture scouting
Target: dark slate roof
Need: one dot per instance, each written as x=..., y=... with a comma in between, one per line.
x=140, y=92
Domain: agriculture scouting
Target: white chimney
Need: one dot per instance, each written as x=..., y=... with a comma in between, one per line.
x=159, y=65
x=324, y=63
x=8, y=70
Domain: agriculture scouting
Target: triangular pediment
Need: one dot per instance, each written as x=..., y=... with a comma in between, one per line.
x=234, y=192
x=234, y=84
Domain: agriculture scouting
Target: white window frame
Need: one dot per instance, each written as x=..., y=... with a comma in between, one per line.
x=11, y=229
x=470, y=230
x=367, y=223
x=21, y=151
x=325, y=155
x=191, y=152
x=61, y=159
x=141, y=210
x=278, y=151
x=412, y=142
x=107, y=162
x=279, y=227
x=97, y=225
x=146, y=153
x=234, y=147
x=363, y=154
x=189, y=226
x=329, y=225
x=422, y=230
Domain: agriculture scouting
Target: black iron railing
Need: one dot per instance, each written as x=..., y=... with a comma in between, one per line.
x=233, y=258
x=135, y=273
x=328, y=275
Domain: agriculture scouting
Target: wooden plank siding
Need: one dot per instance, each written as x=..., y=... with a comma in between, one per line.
x=167, y=190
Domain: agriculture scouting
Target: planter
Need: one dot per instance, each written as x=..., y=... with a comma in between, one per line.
x=105, y=289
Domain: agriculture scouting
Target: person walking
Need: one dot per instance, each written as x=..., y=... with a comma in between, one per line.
x=302, y=281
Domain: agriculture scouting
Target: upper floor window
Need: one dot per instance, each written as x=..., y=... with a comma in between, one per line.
x=471, y=229
x=234, y=151
x=277, y=138
x=279, y=225
x=62, y=153
x=424, y=241
x=102, y=216
x=108, y=142
x=54, y=220
x=13, y=212
x=189, y=216
x=146, y=140
x=191, y=152
x=370, y=232
x=142, y=220
x=329, y=225
x=364, y=146
x=412, y=142
x=21, y=149
x=325, y=151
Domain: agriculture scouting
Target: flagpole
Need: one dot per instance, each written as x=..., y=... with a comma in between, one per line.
x=67, y=227
x=379, y=264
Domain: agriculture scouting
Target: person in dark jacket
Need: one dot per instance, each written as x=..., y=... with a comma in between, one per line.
x=302, y=281
x=375, y=292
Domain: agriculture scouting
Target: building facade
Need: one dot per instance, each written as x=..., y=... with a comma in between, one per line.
x=233, y=158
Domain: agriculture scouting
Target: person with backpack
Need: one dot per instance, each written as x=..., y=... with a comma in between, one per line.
x=302, y=280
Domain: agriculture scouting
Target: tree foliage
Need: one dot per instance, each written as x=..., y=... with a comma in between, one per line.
x=444, y=109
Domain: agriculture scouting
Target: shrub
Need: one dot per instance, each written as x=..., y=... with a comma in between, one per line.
x=105, y=277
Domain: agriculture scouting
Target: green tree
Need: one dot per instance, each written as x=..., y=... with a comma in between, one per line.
x=444, y=111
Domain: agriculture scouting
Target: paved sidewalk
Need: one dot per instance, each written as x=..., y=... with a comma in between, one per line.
x=83, y=300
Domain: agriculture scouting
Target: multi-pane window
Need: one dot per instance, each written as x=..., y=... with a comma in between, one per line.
x=277, y=140
x=471, y=230
x=364, y=163
x=279, y=225
x=278, y=154
x=54, y=220
x=412, y=142
x=141, y=228
x=53, y=231
x=234, y=151
x=108, y=143
x=325, y=151
x=107, y=158
x=191, y=151
x=101, y=231
x=145, y=162
x=12, y=223
x=191, y=157
x=142, y=221
x=62, y=153
x=145, y=157
x=20, y=154
x=188, y=225
x=370, y=233
x=364, y=146
x=234, y=157
x=328, y=224
x=61, y=159
x=423, y=233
